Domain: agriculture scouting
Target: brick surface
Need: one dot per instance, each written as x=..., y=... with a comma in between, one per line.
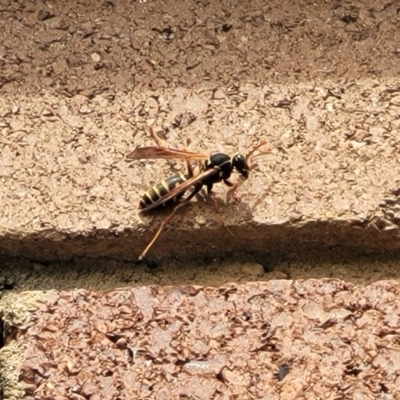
x=321, y=338
x=82, y=84
x=86, y=94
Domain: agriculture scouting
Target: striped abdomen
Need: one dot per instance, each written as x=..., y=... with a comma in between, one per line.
x=161, y=189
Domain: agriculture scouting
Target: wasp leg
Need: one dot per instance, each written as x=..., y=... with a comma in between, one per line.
x=190, y=167
x=191, y=174
x=213, y=197
x=155, y=137
x=160, y=229
x=230, y=194
x=188, y=164
x=221, y=220
x=165, y=222
x=159, y=143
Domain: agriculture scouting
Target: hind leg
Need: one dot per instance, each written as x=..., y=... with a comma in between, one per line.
x=160, y=229
x=166, y=220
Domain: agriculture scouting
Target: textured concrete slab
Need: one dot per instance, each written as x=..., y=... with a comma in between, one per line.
x=276, y=340
x=82, y=86
x=69, y=190
x=81, y=94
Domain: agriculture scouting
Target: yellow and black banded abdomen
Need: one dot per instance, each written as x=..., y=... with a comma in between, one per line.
x=161, y=189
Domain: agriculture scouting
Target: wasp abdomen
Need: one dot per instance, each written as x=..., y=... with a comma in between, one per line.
x=161, y=189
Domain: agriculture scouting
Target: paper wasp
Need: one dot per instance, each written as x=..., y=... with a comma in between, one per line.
x=213, y=169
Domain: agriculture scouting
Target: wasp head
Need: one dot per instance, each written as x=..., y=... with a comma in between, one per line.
x=239, y=162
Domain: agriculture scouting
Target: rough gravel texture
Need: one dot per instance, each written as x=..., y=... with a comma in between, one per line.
x=327, y=339
x=82, y=83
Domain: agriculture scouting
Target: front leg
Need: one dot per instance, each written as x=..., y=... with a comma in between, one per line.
x=230, y=184
x=213, y=198
x=231, y=192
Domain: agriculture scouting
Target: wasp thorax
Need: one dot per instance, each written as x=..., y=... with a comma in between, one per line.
x=221, y=162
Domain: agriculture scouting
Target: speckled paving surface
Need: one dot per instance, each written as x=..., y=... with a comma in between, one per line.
x=277, y=340
x=80, y=86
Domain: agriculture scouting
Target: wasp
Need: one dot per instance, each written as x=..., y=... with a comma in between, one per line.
x=213, y=169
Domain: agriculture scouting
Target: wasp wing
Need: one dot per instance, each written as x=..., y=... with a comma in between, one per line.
x=180, y=189
x=164, y=152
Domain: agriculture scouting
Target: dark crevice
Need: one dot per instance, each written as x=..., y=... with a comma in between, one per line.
x=7, y=285
x=101, y=274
